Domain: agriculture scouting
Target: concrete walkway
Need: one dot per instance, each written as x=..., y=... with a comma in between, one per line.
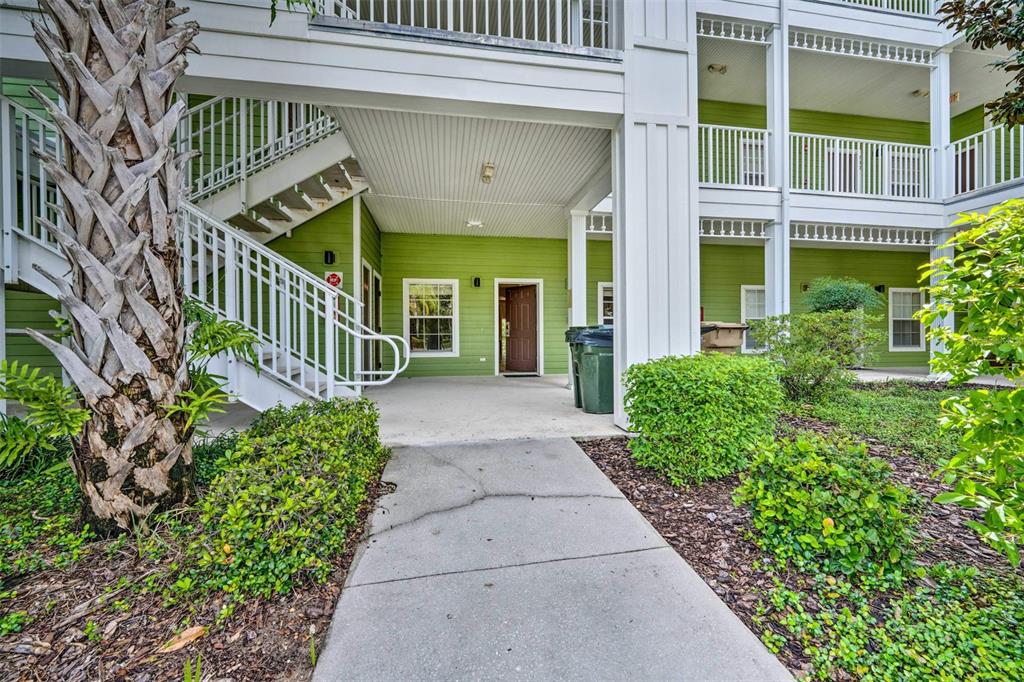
x=520, y=560
x=431, y=410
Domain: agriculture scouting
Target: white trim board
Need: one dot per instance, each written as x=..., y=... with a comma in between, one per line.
x=454, y=283
x=601, y=286
x=498, y=281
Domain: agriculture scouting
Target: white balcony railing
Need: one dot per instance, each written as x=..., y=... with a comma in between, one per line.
x=579, y=23
x=843, y=165
x=728, y=155
x=988, y=158
x=916, y=7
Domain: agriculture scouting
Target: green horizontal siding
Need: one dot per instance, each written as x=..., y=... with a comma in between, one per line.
x=369, y=238
x=32, y=310
x=463, y=258
x=968, y=123
x=890, y=268
x=599, y=269
x=17, y=90
x=725, y=268
x=329, y=231
x=817, y=122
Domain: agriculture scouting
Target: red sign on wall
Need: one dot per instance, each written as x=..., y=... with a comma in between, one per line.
x=335, y=279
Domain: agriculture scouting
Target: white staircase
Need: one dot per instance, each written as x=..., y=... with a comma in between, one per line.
x=310, y=333
x=266, y=167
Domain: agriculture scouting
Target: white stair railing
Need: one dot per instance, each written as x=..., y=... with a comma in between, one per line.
x=238, y=136
x=845, y=165
x=581, y=23
x=988, y=158
x=309, y=330
x=310, y=333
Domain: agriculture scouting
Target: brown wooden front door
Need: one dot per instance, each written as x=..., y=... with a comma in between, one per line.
x=522, y=328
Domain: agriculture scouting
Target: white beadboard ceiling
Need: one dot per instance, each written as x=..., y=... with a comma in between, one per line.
x=424, y=171
x=834, y=83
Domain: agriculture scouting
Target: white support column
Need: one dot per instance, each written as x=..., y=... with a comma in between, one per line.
x=655, y=238
x=937, y=251
x=942, y=173
x=357, y=284
x=578, y=268
x=776, y=247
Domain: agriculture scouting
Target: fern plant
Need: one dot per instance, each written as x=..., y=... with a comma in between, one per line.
x=52, y=415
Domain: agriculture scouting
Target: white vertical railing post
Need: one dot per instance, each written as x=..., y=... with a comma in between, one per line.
x=243, y=157
x=231, y=301
x=8, y=193
x=330, y=351
x=939, y=118
x=887, y=170
x=576, y=22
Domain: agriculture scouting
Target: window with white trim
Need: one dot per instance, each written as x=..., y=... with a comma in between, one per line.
x=431, y=316
x=905, y=332
x=753, y=306
x=605, y=303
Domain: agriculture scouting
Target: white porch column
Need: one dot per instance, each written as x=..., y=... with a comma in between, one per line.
x=776, y=246
x=357, y=284
x=655, y=238
x=937, y=251
x=942, y=175
x=578, y=268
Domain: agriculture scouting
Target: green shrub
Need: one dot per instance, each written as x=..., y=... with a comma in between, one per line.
x=281, y=509
x=700, y=417
x=841, y=293
x=208, y=455
x=828, y=505
x=815, y=350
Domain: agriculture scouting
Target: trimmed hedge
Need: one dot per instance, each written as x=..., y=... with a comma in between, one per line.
x=281, y=508
x=700, y=417
x=827, y=505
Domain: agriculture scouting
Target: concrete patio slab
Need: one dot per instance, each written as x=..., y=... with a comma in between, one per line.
x=518, y=559
x=430, y=410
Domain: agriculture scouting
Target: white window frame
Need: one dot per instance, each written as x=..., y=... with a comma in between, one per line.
x=904, y=349
x=601, y=287
x=744, y=288
x=454, y=283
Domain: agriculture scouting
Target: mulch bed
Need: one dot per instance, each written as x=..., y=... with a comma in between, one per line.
x=711, y=533
x=265, y=639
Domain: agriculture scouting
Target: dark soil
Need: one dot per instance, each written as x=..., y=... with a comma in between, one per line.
x=86, y=625
x=712, y=534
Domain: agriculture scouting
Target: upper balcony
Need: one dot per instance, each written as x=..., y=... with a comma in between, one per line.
x=919, y=8
x=580, y=27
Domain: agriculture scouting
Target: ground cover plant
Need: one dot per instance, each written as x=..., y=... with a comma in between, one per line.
x=831, y=547
x=898, y=414
x=245, y=578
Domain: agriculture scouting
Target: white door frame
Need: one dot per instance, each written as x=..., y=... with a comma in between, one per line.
x=498, y=281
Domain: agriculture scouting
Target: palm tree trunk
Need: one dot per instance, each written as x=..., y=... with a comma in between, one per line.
x=116, y=63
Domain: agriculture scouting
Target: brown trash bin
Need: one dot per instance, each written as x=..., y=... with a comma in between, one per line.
x=722, y=337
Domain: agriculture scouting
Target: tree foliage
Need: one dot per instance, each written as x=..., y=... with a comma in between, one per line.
x=988, y=24
x=981, y=286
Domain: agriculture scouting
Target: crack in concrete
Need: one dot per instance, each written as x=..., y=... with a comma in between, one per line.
x=500, y=567
x=485, y=496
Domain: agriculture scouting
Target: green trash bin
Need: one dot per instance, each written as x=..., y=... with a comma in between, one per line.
x=596, y=369
x=575, y=349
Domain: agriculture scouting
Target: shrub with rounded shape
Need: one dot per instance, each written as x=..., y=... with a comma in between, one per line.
x=699, y=417
x=827, y=505
x=841, y=293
